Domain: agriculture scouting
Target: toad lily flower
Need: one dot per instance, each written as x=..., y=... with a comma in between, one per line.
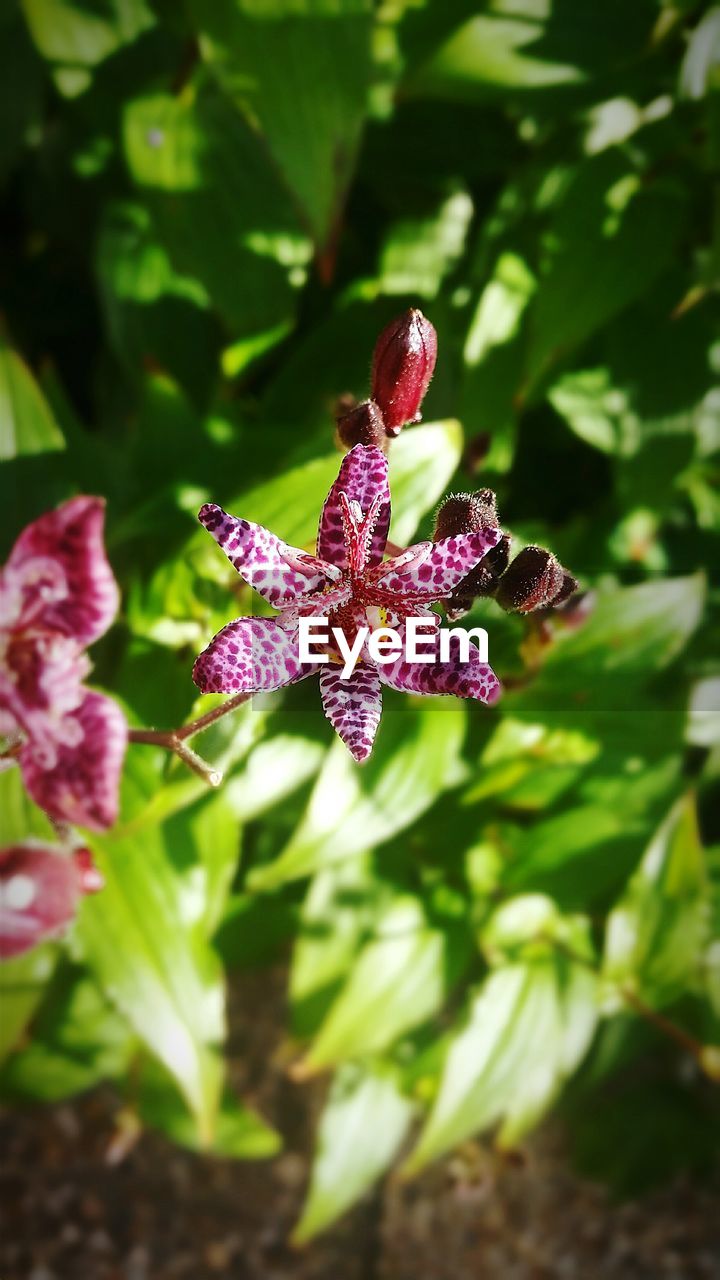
x=57, y=596
x=350, y=584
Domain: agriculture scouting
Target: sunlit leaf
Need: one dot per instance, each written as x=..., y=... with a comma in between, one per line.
x=27, y=424
x=301, y=79
x=656, y=933
x=155, y=967
x=352, y=809
x=528, y=1028
x=360, y=1132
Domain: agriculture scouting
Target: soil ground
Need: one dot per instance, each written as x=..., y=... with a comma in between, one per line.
x=161, y=1213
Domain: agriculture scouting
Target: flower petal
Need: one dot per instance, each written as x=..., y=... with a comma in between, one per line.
x=40, y=886
x=39, y=892
x=81, y=786
x=363, y=478
x=473, y=679
x=353, y=707
x=41, y=674
x=429, y=570
x=58, y=577
x=250, y=655
x=278, y=572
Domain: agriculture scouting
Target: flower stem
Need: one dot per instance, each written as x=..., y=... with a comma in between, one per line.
x=175, y=740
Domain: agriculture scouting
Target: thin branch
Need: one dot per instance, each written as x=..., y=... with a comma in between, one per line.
x=175, y=740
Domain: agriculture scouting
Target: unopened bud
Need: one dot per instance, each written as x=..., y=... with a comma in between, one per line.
x=533, y=581
x=472, y=513
x=40, y=888
x=362, y=424
x=466, y=513
x=568, y=588
x=403, y=364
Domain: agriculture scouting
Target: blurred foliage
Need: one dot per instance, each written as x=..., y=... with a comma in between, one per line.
x=208, y=213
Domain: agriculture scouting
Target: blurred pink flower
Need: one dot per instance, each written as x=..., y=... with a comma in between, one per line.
x=40, y=887
x=349, y=583
x=57, y=596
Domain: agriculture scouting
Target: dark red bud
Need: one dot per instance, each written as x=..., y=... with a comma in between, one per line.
x=533, y=581
x=568, y=588
x=403, y=364
x=466, y=513
x=362, y=424
x=471, y=513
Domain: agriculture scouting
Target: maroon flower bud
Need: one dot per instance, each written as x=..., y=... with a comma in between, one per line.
x=470, y=513
x=569, y=586
x=403, y=364
x=40, y=887
x=466, y=513
x=362, y=424
x=533, y=581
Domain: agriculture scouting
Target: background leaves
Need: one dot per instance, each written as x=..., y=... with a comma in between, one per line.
x=209, y=213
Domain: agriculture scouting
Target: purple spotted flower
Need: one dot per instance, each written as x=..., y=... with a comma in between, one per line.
x=57, y=596
x=349, y=583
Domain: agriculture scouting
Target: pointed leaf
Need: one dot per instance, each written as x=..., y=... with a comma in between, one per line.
x=27, y=424
x=301, y=76
x=360, y=1132
x=155, y=968
x=657, y=933
x=351, y=809
x=529, y=1026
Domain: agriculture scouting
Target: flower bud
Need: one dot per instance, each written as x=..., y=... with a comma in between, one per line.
x=403, y=364
x=533, y=581
x=472, y=513
x=466, y=513
x=362, y=424
x=40, y=887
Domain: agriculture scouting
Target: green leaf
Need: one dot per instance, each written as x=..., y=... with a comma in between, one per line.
x=700, y=71
x=153, y=314
x=529, y=1027
x=399, y=979
x=23, y=982
x=78, y=1039
x=79, y=34
x=419, y=252
x=611, y=236
x=301, y=79
x=423, y=460
x=156, y=967
x=656, y=933
x=353, y=809
x=27, y=424
x=360, y=1132
x=274, y=769
x=239, y=1133
x=604, y=666
x=218, y=205
x=488, y=50
x=340, y=906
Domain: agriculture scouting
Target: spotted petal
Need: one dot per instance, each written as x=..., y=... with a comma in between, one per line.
x=250, y=655
x=363, y=478
x=278, y=572
x=81, y=786
x=429, y=570
x=58, y=577
x=473, y=679
x=353, y=707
